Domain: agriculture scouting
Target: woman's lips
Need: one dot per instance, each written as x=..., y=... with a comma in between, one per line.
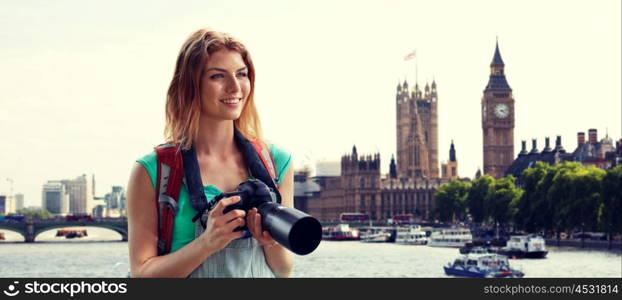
x=231, y=102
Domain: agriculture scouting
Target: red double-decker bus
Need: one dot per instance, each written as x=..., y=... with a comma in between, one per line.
x=403, y=219
x=79, y=218
x=353, y=217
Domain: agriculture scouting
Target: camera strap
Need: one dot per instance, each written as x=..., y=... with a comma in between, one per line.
x=192, y=173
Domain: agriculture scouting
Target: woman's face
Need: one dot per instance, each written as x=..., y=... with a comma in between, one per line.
x=224, y=86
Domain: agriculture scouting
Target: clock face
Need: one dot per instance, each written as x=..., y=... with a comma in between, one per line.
x=502, y=111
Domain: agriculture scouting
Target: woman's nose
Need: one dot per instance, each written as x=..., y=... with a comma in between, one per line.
x=233, y=86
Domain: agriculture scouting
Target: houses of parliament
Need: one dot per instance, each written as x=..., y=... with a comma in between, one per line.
x=414, y=173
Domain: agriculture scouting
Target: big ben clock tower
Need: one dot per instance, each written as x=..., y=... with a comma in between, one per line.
x=498, y=120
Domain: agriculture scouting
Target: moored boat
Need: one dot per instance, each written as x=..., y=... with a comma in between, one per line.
x=411, y=236
x=450, y=237
x=525, y=246
x=71, y=233
x=470, y=249
x=340, y=232
x=375, y=235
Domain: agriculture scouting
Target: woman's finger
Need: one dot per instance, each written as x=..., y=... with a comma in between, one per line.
x=220, y=206
x=253, y=222
x=237, y=222
x=258, y=223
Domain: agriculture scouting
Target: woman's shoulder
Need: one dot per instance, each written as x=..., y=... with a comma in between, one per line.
x=150, y=162
x=282, y=159
x=277, y=150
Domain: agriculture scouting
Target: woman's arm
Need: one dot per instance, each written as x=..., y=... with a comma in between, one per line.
x=280, y=260
x=143, y=235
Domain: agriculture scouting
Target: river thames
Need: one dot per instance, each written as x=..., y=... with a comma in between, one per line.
x=102, y=254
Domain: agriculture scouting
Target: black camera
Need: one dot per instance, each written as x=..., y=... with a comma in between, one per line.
x=292, y=228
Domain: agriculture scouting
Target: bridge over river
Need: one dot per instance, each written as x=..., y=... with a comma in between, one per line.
x=30, y=229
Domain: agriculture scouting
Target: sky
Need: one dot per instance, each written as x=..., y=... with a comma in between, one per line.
x=83, y=83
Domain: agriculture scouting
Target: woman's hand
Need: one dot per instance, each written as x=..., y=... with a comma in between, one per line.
x=219, y=228
x=253, y=219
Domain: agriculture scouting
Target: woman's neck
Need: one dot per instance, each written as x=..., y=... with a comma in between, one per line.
x=215, y=138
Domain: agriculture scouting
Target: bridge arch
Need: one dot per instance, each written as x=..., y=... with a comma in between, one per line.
x=40, y=230
x=30, y=230
x=11, y=231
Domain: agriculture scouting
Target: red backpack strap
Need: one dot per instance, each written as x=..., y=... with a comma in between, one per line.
x=169, y=181
x=266, y=159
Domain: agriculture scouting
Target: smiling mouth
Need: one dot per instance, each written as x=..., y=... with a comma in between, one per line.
x=231, y=100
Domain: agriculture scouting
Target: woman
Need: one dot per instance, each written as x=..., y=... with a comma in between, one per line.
x=210, y=95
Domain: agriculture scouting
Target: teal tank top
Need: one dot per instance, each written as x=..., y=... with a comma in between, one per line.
x=184, y=228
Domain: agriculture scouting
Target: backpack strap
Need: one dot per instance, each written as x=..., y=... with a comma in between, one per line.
x=169, y=181
x=266, y=159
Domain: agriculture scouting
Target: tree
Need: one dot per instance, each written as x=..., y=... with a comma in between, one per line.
x=479, y=192
x=450, y=200
x=589, y=186
x=503, y=200
x=35, y=213
x=610, y=217
x=533, y=213
x=532, y=198
x=576, y=196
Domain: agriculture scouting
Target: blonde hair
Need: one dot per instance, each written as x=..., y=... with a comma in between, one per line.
x=183, y=103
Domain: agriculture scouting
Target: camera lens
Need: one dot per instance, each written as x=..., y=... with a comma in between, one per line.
x=292, y=228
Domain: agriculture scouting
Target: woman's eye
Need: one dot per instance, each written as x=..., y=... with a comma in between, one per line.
x=216, y=76
x=242, y=74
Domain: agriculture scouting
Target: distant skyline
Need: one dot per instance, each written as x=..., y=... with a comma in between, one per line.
x=83, y=83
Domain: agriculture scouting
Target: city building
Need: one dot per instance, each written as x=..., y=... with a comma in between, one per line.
x=602, y=154
x=19, y=201
x=417, y=131
x=360, y=181
x=328, y=203
x=80, y=192
x=115, y=203
x=7, y=204
x=99, y=207
x=55, y=198
x=450, y=169
x=328, y=168
x=361, y=188
x=497, y=120
x=304, y=190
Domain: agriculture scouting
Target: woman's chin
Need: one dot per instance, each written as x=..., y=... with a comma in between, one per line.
x=228, y=116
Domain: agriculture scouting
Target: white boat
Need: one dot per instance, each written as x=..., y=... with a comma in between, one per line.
x=375, y=235
x=340, y=232
x=525, y=246
x=411, y=236
x=450, y=237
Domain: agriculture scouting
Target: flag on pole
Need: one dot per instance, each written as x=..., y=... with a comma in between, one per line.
x=410, y=55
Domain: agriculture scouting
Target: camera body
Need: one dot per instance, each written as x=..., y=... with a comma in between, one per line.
x=293, y=229
x=253, y=193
